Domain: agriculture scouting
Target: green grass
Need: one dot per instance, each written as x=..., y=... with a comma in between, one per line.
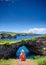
x=5, y=41
x=5, y=62
x=41, y=60
x=37, y=57
x=33, y=39
x=8, y=62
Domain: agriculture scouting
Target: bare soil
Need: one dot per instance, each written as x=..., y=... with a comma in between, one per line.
x=27, y=62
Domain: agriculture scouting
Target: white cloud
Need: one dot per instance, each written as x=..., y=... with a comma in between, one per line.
x=36, y=30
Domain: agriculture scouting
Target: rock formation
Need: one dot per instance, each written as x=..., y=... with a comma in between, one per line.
x=38, y=47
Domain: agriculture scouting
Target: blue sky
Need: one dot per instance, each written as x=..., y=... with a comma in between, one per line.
x=21, y=15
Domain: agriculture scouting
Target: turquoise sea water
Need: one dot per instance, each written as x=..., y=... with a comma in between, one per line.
x=26, y=51
x=25, y=37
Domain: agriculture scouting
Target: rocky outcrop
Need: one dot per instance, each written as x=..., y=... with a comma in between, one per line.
x=6, y=36
x=38, y=47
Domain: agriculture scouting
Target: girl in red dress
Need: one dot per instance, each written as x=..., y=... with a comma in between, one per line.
x=22, y=56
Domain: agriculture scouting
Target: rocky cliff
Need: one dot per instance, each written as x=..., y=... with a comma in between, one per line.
x=37, y=46
x=7, y=36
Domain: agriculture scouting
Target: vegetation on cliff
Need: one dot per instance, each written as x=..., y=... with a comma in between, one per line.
x=45, y=35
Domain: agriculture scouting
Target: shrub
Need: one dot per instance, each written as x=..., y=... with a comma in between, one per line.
x=0, y=41
x=23, y=41
x=37, y=57
x=33, y=39
x=39, y=36
x=6, y=42
x=42, y=61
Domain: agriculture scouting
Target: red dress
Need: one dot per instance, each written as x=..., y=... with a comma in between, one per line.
x=22, y=58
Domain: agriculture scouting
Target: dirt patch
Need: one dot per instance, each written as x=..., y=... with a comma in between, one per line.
x=27, y=62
